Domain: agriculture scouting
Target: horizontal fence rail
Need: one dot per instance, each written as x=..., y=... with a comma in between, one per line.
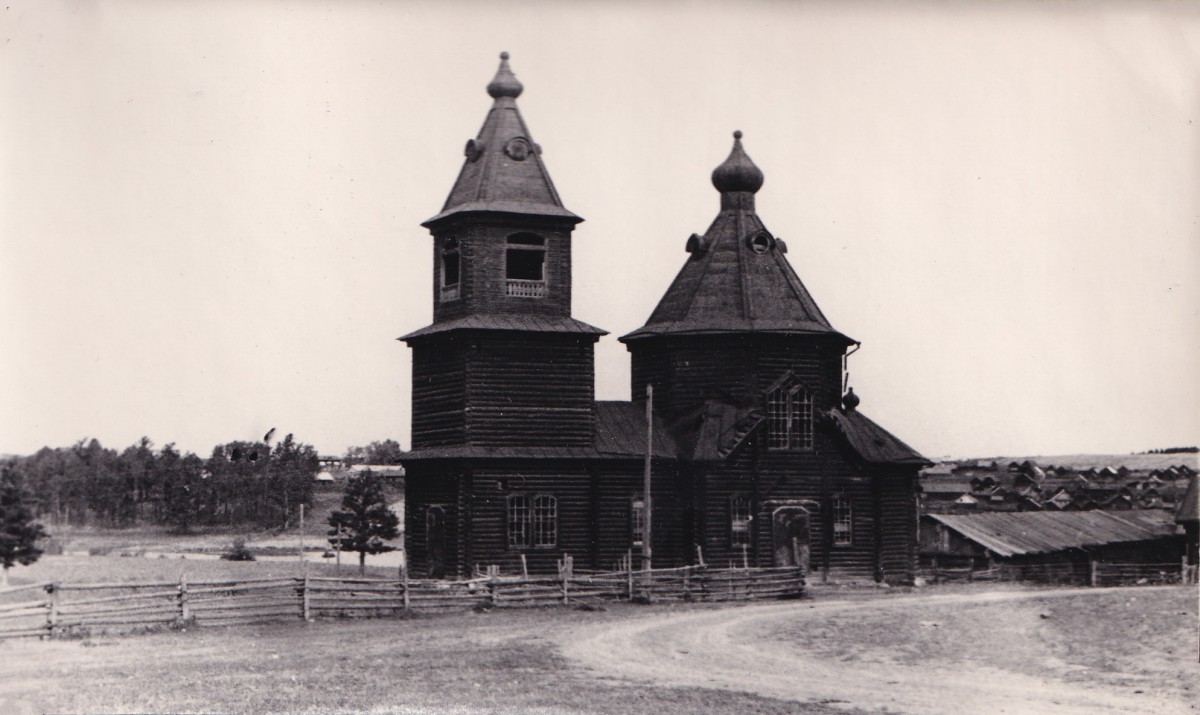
x=53, y=609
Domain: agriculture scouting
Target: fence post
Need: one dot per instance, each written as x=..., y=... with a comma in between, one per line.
x=936, y=575
x=51, y=609
x=494, y=590
x=1092, y=563
x=184, y=611
x=404, y=584
x=629, y=573
x=304, y=605
x=699, y=556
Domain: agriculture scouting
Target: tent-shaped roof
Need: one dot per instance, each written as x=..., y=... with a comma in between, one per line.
x=503, y=171
x=737, y=279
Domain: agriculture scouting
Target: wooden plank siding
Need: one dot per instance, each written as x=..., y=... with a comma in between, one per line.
x=439, y=392
x=482, y=247
x=531, y=390
x=739, y=369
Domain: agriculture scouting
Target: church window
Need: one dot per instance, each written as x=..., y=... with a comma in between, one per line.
x=637, y=521
x=524, y=266
x=532, y=521
x=518, y=521
x=789, y=418
x=739, y=521
x=451, y=270
x=843, y=521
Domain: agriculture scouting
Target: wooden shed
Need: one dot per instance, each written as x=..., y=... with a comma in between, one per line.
x=1050, y=545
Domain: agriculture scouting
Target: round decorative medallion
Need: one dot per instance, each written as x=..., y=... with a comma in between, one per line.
x=517, y=149
x=473, y=150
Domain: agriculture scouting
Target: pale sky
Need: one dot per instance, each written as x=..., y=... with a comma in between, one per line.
x=209, y=211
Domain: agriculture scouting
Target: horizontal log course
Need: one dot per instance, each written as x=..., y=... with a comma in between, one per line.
x=265, y=586
x=21, y=606
x=24, y=632
x=114, y=609
x=113, y=586
x=116, y=622
x=223, y=605
x=24, y=587
x=123, y=598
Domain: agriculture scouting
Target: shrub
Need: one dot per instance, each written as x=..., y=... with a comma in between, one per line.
x=239, y=552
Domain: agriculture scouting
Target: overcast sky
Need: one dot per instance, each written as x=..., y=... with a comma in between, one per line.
x=209, y=211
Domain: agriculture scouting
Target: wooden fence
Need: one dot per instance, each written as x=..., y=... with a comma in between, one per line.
x=51, y=609
x=1094, y=573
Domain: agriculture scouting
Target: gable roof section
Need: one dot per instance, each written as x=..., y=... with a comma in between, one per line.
x=1188, y=507
x=871, y=442
x=621, y=430
x=1039, y=532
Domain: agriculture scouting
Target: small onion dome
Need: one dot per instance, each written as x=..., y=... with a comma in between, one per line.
x=738, y=172
x=850, y=400
x=505, y=83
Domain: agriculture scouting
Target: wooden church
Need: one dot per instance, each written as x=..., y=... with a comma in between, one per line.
x=755, y=453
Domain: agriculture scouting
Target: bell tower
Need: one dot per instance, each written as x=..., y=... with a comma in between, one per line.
x=503, y=364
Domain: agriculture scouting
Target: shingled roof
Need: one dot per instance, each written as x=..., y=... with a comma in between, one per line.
x=737, y=279
x=871, y=442
x=506, y=321
x=503, y=171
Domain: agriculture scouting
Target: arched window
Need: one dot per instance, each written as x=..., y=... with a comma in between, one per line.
x=789, y=417
x=843, y=521
x=451, y=273
x=525, y=266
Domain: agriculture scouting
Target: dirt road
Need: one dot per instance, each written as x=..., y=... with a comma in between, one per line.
x=741, y=649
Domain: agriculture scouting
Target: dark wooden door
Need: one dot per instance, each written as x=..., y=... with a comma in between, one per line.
x=789, y=532
x=435, y=541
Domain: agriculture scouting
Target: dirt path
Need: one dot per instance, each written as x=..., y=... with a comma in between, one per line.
x=734, y=649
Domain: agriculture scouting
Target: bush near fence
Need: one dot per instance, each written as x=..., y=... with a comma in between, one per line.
x=63, y=609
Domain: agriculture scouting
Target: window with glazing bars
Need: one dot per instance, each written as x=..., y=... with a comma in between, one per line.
x=532, y=521
x=637, y=521
x=843, y=522
x=789, y=418
x=739, y=521
x=518, y=521
x=545, y=520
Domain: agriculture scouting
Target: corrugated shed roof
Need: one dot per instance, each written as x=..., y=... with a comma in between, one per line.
x=872, y=442
x=507, y=321
x=1188, y=507
x=1040, y=532
x=621, y=430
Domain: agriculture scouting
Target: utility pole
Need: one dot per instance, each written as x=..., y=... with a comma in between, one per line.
x=647, y=499
x=302, y=532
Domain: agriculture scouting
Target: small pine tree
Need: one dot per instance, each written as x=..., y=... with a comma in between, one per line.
x=18, y=531
x=364, y=523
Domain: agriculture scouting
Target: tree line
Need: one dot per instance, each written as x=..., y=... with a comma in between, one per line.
x=240, y=483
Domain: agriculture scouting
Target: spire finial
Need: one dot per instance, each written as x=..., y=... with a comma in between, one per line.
x=738, y=173
x=505, y=83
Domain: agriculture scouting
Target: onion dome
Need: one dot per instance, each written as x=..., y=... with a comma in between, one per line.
x=505, y=83
x=850, y=400
x=738, y=173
